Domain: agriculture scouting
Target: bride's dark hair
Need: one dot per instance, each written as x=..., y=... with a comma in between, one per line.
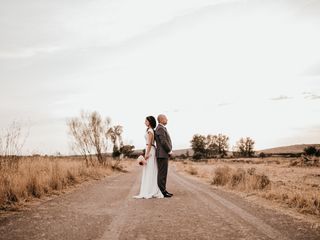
x=152, y=121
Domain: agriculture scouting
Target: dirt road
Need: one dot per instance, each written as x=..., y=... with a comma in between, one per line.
x=106, y=210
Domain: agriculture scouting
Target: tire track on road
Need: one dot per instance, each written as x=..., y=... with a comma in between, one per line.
x=114, y=229
x=251, y=220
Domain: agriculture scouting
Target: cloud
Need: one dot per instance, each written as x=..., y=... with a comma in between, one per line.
x=29, y=52
x=223, y=104
x=280, y=98
x=311, y=96
x=313, y=70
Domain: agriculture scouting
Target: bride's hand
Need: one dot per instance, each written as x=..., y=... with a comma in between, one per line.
x=146, y=156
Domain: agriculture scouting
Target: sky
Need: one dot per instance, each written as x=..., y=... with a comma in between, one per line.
x=236, y=67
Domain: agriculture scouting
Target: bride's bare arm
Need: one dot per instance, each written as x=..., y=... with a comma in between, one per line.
x=149, y=144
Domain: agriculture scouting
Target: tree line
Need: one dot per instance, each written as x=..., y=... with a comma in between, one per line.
x=209, y=146
x=93, y=136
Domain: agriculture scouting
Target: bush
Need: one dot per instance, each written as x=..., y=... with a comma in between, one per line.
x=262, y=155
x=310, y=151
x=221, y=176
x=238, y=177
x=192, y=170
x=260, y=182
x=198, y=156
x=251, y=171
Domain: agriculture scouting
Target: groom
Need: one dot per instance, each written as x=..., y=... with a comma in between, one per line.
x=163, y=152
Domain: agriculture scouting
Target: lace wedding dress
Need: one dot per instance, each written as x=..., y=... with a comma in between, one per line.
x=149, y=185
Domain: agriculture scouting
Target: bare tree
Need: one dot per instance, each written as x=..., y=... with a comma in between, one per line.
x=89, y=135
x=11, y=144
x=115, y=134
x=80, y=144
x=97, y=136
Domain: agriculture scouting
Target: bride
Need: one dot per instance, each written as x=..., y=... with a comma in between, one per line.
x=149, y=186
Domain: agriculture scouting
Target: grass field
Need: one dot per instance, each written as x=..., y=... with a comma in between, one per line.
x=274, y=179
x=35, y=177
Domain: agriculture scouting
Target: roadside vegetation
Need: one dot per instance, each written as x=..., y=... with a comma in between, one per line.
x=23, y=178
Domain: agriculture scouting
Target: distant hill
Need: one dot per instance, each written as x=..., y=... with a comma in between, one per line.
x=288, y=149
x=183, y=151
x=175, y=152
x=298, y=148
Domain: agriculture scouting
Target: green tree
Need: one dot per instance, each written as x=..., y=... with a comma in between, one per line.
x=262, y=155
x=245, y=147
x=187, y=154
x=198, y=145
x=127, y=150
x=217, y=145
x=222, y=144
x=310, y=151
x=211, y=146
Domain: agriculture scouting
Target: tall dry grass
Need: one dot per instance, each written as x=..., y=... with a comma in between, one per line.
x=192, y=170
x=304, y=201
x=38, y=176
x=240, y=179
x=273, y=179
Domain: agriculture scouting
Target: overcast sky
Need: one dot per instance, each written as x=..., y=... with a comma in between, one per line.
x=241, y=68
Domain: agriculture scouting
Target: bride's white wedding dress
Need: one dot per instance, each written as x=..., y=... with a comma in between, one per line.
x=149, y=184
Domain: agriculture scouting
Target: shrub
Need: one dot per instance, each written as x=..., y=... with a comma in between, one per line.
x=262, y=155
x=221, y=176
x=241, y=179
x=198, y=156
x=192, y=170
x=251, y=171
x=260, y=181
x=238, y=177
x=310, y=151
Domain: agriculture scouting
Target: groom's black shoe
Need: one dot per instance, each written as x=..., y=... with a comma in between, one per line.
x=166, y=192
x=166, y=195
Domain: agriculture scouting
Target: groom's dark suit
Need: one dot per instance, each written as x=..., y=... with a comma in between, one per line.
x=164, y=147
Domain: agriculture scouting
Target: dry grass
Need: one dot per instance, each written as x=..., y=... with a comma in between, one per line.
x=36, y=177
x=222, y=176
x=274, y=179
x=304, y=202
x=192, y=170
x=240, y=179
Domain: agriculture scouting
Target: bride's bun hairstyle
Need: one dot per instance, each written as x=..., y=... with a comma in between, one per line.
x=152, y=121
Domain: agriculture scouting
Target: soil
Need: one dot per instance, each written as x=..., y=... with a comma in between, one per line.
x=106, y=209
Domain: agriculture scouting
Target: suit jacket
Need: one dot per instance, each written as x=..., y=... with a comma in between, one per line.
x=163, y=140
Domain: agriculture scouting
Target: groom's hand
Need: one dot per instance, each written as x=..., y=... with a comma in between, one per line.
x=170, y=154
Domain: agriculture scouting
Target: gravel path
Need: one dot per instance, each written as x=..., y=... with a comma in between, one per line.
x=106, y=210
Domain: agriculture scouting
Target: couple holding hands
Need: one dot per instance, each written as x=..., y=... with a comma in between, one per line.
x=155, y=162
